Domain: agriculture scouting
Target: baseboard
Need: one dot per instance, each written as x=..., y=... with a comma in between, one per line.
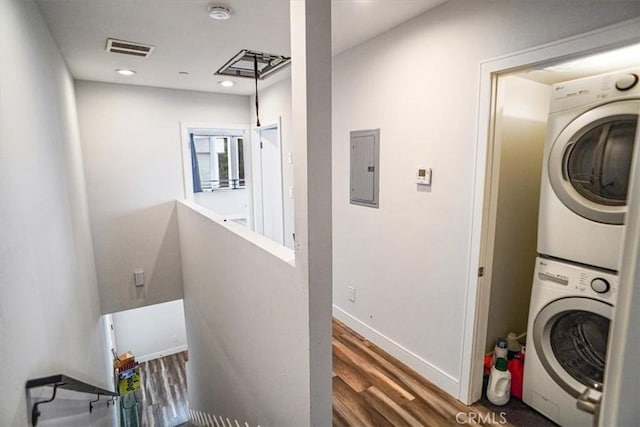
x=162, y=353
x=432, y=373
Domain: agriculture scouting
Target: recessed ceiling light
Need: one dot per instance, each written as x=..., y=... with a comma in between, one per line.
x=219, y=12
x=226, y=83
x=183, y=72
x=125, y=72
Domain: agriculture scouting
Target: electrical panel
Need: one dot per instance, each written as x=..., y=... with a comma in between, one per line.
x=365, y=165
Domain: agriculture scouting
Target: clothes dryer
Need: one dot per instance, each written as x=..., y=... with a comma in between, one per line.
x=568, y=333
x=587, y=162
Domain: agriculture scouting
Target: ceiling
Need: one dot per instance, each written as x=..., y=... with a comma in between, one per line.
x=187, y=40
x=599, y=63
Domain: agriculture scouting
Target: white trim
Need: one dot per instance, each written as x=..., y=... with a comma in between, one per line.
x=161, y=353
x=431, y=372
x=477, y=297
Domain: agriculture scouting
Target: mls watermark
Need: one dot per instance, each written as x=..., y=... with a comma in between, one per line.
x=491, y=418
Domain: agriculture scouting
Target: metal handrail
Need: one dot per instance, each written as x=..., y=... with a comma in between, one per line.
x=67, y=383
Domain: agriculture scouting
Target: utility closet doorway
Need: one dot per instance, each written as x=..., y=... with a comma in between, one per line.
x=516, y=91
x=521, y=111
x=268, y=199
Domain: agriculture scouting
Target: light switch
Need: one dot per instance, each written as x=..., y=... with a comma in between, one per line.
x=138, y=277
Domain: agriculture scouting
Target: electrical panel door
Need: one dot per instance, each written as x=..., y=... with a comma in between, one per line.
x=365, y=161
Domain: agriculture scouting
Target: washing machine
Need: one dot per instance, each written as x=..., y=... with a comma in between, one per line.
x=587, y=162
x=568, y=332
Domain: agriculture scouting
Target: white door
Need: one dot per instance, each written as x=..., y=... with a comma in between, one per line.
x=267, y=180
x=622, y=378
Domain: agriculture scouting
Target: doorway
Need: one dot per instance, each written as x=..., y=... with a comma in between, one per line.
x=485, y=192
x=268, y=199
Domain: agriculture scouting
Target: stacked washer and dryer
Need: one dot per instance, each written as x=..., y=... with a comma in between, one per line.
x=587, y=163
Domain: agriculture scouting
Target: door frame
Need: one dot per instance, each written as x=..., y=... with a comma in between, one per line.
x=484, y=200
x=256, y=156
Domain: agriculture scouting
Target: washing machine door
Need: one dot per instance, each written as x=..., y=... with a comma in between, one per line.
x=590, y=161
x=570, y=336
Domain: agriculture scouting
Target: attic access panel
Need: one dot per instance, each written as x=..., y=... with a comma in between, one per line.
x=242, y=64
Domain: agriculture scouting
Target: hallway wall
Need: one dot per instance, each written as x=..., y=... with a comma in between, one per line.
x=152, y=331
x=246, y=328
x=419, y=83
x=131, y=144
x=49, y=304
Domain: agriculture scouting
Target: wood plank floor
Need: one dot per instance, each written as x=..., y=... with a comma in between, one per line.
x=163, y=400
x=371, y=388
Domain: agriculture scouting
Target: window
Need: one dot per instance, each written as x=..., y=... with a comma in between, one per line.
x=220, y=161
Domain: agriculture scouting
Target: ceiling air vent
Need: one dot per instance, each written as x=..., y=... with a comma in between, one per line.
x=129, y=48
x=243, y=64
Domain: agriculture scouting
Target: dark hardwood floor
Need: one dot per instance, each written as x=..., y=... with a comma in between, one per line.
x=370, y=388
x=164, y=392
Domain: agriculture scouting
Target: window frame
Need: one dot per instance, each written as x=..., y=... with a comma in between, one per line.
x=233, y=181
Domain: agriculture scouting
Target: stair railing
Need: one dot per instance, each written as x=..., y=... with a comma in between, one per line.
x=66, y=383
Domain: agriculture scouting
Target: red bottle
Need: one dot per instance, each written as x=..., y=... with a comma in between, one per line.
x=516, y=367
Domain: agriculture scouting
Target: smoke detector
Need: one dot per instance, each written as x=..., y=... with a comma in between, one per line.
x=219, y=12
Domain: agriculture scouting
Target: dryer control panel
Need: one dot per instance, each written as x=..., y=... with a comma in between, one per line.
x=595, y=89
x=576, y=279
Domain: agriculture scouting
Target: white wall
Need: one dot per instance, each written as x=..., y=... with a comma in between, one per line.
x=49, y=304
x=131, y=145
x=275, y=104
x=227, y=203
x=521, y=124
x=248, y=351
x=419, y=84
x=151, y=332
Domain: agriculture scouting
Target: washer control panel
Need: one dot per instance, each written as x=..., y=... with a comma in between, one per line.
x=576, y=279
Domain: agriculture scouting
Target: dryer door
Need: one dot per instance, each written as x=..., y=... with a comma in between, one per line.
x=570, y=336
x=590, y=161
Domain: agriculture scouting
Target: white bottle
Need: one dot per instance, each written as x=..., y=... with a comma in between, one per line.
x=499, y=388
x=500, y=350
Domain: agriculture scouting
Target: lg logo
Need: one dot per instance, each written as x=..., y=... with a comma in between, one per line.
x=485, y=419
